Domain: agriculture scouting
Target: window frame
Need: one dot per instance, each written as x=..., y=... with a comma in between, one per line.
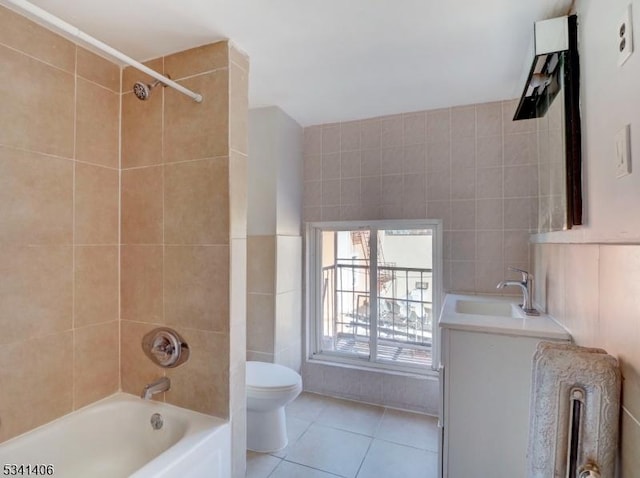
x=313, y=295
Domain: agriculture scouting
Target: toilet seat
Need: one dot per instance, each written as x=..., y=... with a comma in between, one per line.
x=268, y=378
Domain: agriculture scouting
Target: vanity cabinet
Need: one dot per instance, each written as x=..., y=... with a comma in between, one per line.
x=485, y=385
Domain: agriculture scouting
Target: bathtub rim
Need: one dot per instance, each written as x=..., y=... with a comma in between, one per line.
x=198, y=433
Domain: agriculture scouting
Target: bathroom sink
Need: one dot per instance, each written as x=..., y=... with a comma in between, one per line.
x=495, y=309
x=497, y=315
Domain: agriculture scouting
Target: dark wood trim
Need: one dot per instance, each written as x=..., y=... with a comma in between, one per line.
x=573, y=134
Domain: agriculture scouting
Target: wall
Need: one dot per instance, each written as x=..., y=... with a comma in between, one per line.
x=274, y=280
x=150, y=228
x=184, y=228
x=593, y=289
x=470, y=166
x=275, y=192
x=583, y=280
x=238, y=199
x=59, y=236
x=552, y=187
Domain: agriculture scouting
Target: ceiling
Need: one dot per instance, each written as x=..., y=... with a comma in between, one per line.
x=335, y=60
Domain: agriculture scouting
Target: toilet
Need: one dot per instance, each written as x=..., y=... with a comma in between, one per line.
x=269, y=388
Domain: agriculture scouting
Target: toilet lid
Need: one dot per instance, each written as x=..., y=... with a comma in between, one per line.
x=271, y=376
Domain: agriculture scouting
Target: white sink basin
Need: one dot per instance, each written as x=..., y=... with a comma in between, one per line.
x=494, y=314
x=494, y=309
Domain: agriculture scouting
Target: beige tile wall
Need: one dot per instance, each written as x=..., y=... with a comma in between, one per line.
x=274, y=299
x=470, y=166
x=184, y=231
x=261, y=297
x=594, y=290
x=59, y=160
x=402, y=391
x=288, y=302
x=74, y=263
x=238, y=161
x=175, y=262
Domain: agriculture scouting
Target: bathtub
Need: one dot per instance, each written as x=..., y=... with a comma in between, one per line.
x=114, y=438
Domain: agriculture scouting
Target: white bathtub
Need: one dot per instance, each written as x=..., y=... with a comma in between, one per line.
x=114, y=438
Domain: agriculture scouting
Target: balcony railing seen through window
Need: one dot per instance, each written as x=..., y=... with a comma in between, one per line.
x=404, y=312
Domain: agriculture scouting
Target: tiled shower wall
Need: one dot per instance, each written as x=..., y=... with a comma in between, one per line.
x=175, y=228
x=184, y=230
x=471, y=166
x=180, y=234
x=59, y=165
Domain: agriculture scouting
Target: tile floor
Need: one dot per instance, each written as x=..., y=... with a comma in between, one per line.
x=329, y=437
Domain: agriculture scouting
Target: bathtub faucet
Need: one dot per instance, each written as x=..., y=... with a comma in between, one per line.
x=161, y=385
x=526, y=284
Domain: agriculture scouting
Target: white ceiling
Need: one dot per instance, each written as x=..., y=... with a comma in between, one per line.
x=335, y=60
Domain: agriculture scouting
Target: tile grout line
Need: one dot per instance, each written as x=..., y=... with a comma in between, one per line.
x=39, y=60
x=377, y=430
x=55, y=156
x=73, y=233
x=364, y=457
x=164, y=371
x=95, y=83
x=120, y=233
x=181, y=161
x=317, y=421
x=304, y=466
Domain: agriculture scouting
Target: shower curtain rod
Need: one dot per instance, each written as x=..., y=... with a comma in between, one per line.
x=76, y=32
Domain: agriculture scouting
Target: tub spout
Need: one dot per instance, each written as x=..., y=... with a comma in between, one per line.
x=161, y=385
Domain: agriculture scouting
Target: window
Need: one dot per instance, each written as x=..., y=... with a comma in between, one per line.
x=373, y=290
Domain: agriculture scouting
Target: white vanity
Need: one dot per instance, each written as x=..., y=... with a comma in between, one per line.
x=487, y=349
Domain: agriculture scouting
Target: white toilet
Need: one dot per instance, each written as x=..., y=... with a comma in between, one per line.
x=269, y=388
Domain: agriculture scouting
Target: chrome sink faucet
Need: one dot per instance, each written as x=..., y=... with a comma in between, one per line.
x=161, y=385
x=526, y=284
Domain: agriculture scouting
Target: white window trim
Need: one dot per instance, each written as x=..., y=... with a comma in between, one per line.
x=313, y=304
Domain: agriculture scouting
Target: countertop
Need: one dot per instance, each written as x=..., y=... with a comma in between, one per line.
x=543, y=326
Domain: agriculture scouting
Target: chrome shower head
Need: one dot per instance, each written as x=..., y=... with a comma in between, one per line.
x=143, y=90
